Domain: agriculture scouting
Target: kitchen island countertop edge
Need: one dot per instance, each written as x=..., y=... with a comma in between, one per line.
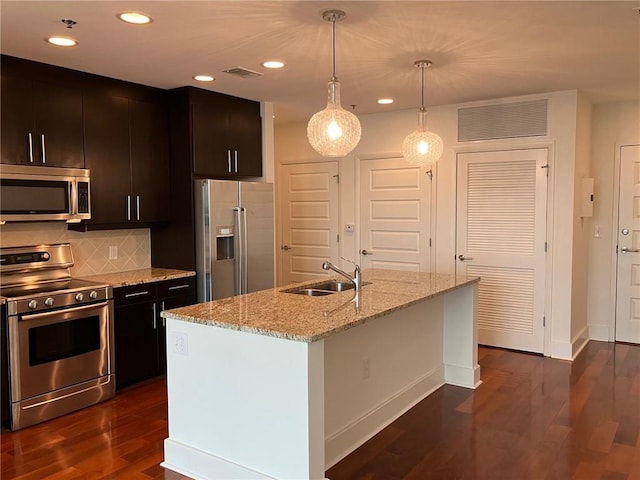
x=273, y=312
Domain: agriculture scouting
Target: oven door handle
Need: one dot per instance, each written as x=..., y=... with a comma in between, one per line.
x=64, y=313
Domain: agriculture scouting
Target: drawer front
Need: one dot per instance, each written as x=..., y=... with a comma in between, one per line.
x=145, y=292
x=177, y=286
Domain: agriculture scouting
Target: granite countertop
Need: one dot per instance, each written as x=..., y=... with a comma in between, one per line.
x=308, y=319
x=138, y=277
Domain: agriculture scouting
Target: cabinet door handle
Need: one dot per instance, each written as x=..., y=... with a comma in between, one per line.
x=235, y=160
x=128, y=208
x=462, y=258
x=178, y=287
x=229, y=161
x=155, y=326
x=629, y=250
x=138, y=207
x=162, y=310
x=364, y=252
x=44, y=150
x=136, y=294
x=30, y=148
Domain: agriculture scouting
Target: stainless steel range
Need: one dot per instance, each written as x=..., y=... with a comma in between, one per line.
x=60, y=334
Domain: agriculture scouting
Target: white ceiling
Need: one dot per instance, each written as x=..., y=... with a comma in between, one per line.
x=480, y=49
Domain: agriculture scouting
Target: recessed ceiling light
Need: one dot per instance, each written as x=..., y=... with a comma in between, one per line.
x=134, y=17
x=62, y=41
x=273, y=64
x=385, y=101
x=204, y=78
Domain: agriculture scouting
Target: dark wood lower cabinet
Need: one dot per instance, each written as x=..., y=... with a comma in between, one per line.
x=5, y=399
x=139, y=330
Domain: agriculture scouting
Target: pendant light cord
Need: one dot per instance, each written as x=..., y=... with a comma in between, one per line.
x=422, y=90
x=333, y=77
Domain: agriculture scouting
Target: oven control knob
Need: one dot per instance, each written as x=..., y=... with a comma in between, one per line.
x=49, y=302
x=79, y=297
x=33, y=304
x=93, y=295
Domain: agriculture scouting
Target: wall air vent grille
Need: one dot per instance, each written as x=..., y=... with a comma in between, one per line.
x=242, y=72
x=508, y=120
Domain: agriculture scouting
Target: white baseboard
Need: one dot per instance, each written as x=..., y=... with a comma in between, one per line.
x=570, y=350
x=200, y=465
x=578, y=345
x=354, y=434
x=599, y=333
x=462, y=376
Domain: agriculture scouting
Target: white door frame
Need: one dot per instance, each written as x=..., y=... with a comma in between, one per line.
x=433, y=201
x=615, y=225
x=514, y=145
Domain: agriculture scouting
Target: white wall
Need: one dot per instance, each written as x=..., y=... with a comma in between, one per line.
x=579, y=275
x=614, y=124
x=383, y=133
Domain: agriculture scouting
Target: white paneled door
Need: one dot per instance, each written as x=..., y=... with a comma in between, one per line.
x=500, y=237
x=628, y=277
x=395, y=215
x=310, y=216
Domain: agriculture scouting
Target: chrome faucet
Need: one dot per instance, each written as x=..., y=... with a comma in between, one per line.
x=356, y=279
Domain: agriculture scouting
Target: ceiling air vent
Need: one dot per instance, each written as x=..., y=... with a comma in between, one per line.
x=242, y=72
x=507, y=120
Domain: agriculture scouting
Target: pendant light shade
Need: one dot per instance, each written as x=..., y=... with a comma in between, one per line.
x=334, y=131
x=422, y=147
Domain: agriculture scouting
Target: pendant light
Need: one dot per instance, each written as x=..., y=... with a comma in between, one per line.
x=422, y=147
x=334, y=131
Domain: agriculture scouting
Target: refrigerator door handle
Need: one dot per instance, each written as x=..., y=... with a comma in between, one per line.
x=245, y=253
x=239, y=263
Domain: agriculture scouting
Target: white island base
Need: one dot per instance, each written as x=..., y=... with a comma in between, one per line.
x=252, y=406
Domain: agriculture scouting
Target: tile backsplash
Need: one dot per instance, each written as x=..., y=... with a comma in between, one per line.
x=91, y=250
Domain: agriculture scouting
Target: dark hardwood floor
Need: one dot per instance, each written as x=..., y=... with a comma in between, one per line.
x=532, y=418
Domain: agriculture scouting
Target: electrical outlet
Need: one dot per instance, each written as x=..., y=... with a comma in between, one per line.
x=180, y=345
x=366, y=368
x=113, y=252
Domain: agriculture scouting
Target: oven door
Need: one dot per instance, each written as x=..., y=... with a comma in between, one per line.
x=58, y=349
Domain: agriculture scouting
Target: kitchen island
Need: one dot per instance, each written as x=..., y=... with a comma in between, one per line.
x=279, y=385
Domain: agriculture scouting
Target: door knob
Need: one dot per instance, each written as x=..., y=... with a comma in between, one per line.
x=462, y=258
x=364, y=252
x=629, y=250
x=285, y=247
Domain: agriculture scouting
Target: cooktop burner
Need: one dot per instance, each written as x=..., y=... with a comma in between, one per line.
x=60, y=286
x=38, y=278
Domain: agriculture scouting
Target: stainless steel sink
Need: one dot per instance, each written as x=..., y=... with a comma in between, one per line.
x=310, y=292
x=334, y=286
x=324, y=288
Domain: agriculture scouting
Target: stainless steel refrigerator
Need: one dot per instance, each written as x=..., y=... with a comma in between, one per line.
x=234, y=238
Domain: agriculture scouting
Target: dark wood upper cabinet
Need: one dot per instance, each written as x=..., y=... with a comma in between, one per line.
x=127, y=151
x=149, y=137
x=106, y=130
x=226, y=135
x=245, y=128
x=41, y=123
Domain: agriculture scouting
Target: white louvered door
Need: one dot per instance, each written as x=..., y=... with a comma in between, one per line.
x=394, y=215
x=500, y=237
x=310, y=215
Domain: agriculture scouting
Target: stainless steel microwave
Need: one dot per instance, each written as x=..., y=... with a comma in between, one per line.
x=34, y=194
